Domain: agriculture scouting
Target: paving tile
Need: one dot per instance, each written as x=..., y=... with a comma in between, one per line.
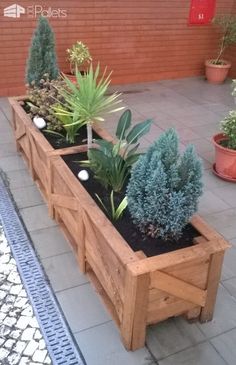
x=211, y=181
x=19, y=179
x=210, y=203
x=224, y=317
x=6, y=136
x=7, y=149
x=28, y=196
x=36, y=218
x=63, y=271
x=230, y=285
x=229, y=267
x=82, y=307
x=171, y=336
x=203, y=354
x=225, y=346
x=6, y=108
x=228, y=194
x=49, y=242
x=223, y=221
x=233, y=241
x=12, y=163
x=109, y=348
x=207, y=130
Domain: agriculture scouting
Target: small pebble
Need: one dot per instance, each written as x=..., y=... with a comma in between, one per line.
x=83, y=175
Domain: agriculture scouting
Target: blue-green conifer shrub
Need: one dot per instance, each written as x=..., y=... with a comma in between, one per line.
x=42, y=56
x=165, y=187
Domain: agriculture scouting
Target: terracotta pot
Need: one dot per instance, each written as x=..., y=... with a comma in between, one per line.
x=216, y=74
x=225, y=159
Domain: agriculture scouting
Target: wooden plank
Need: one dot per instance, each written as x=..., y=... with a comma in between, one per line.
x=199, y=239
x=213, y=280
x=133, y=326
x=178, y=288
x=205, y=230
x=68, y=150
x=190, y=254
x=140, y=254
x=81, y=252
x=193, y=314
x=64, y=201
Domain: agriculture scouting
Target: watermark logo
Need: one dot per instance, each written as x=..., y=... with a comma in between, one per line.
x=14, y=11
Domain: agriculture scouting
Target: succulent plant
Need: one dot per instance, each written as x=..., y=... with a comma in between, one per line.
x=42, y=97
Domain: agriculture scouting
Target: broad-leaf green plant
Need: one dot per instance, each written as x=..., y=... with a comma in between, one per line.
x=114, y=213
x=89, y=99
x=111, y=162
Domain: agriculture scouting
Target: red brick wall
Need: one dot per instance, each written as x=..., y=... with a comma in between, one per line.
x=138, y=40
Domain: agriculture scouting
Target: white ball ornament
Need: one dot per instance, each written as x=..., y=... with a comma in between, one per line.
x=83, y=175
x=39, y=122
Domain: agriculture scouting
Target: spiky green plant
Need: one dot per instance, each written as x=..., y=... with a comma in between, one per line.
x=89, y=97
x=42, y=56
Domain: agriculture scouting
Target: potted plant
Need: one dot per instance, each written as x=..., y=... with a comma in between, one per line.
x=78, y=56
x=225, y=148
x=217, y=69
x=134, y=246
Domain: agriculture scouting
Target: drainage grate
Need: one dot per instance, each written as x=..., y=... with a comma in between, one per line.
x=60, y=343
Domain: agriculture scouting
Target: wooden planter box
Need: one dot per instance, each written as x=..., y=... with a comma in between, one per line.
x=35, y=148
x=137, y=290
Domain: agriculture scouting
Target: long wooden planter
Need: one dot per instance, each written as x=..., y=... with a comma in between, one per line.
x=35, y=148
x=137, y=290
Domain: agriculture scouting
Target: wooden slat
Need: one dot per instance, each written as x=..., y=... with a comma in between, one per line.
x=190, y=254
x=133, y=326
x=64, y=201
x=178, y=288
x=199, y=239
x=140, y=254
x=68, y=150
x=213, y=280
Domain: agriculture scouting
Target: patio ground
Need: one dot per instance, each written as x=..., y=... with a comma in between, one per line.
x=195, y=109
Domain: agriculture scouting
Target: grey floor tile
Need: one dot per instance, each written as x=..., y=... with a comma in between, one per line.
x=6, y=108
x=224, y=317
x=7, y=149
x=225, y=346
x=63, y=271
x=223, y=220
x=210, y=203
x=171, y=336
x=211, y=181
x=19, y=179
x=109, y=349
x=227, y=193
x=233, y=241
x=6, y=136
x=12, y=163
x=36, y=218
x=229, y=266
x=203, y=354
x=28, y=196
x=230, y=285
x=49, y=242
x=82, y=307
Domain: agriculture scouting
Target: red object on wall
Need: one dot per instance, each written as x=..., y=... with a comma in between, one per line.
x=201, y=12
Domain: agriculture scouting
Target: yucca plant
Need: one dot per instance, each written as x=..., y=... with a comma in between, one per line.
x=88, y=98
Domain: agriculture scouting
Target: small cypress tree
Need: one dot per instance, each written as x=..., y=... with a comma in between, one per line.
x=164, y=188
x=42, y=56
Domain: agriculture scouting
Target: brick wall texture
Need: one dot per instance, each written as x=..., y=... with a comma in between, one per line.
x=138, y=40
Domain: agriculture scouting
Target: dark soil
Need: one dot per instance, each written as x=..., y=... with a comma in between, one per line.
x=136, y=240
x=58, y=142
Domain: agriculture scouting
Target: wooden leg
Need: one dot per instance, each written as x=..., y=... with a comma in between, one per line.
x=133, y=327
x=213, y=279
x=193, y=314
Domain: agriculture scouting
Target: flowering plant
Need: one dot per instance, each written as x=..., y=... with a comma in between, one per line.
x=78, y=54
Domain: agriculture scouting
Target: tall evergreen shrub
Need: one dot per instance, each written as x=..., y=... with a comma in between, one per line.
x=164, y=188
x=42, y=56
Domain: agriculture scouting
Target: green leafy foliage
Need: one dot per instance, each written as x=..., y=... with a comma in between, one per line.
x=228, y=126
x=114, y=213
x=164, y=188
x=89, y=97
x=227, y=25
x=70, y=121
x=111, y=163
x=42, y=56
x=78, y=54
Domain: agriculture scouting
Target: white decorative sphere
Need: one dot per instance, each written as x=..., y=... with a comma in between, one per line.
x=39, y=122
x=83, y=175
